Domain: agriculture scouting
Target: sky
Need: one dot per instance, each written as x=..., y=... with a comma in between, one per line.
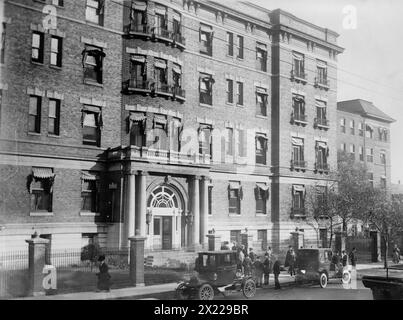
x=371, y=67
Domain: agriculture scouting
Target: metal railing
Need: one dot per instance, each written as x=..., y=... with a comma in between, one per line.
x=298, y=75
x=297, y=212
x=298, y=164
x=319, y=81
x=298, y=117
x=321, y=122
x=13, y=273
x=322, y=166
x=158, y=32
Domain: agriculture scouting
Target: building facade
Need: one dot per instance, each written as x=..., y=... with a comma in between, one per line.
x=166, y=119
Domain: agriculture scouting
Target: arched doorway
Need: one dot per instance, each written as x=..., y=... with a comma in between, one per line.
x=166, y=206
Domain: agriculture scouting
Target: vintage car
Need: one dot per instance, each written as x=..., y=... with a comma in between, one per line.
x=316, y=265
x=216, y=273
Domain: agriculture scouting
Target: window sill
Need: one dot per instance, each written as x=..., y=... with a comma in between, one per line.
x=93, y=83
x=55, y=67
x=41, y=214
x=205, y=105
x=89, y=214
x=240, y=59
x=93, y=24
x=261, y=214
x=37, y=63
x=229, y=56
x=53, y=136
x=261, y=117
x=240, y=105
x=234, y=215
x=34, y=134
x=230, y=104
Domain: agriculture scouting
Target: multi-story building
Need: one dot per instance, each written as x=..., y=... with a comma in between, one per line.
x=364, y=133
x=167, y=119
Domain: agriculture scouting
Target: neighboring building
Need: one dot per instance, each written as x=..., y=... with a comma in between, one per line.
x=364, y=133
x=166, y=119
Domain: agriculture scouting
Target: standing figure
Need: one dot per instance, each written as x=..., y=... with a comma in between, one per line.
x=267, y=264
x=287, y=257
x=276, y=272
x=258, y=271
x=252, y=255
x=353, y=258
x=396, y=254
x=241, y=258
x=103, y=275
x=344, y=258
x=247, y=266
x=291, y=262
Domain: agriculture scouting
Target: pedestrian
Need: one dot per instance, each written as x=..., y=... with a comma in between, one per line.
x=396, y=254
x=276, y=272
x=344, y=258
x=245, y=252
x=287, y=257
x=353, y=258
x=335, y=264
x=103, y=276
x=268, y=251
x=241, y=258
x=252, y=255
x=234, y=246
x=247, y=266
x=291, y=262
x=258, y=268
x=225, y=245
x=267, y=267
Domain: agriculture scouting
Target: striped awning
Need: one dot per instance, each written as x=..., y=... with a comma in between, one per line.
x=297, y=56
x=177, y=70
x=137, y=58
x=320, y=104
x=297, y=141
x=321, y=64
x=160, y=64
x=234, y=185
x=176, y=16
x=321, y=144
x=137, y=117
x=261, y=90
x=86, y=176
x=139, y=5
x=261, y=135
x=261, y=46
x=205, y=28
x=262, y=186
x=298, y=188
x=42, y=173
x=160, y=10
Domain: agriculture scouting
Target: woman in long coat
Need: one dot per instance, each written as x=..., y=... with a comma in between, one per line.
x=103, y=276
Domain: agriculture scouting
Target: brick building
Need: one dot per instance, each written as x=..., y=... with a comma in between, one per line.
x=169, y=119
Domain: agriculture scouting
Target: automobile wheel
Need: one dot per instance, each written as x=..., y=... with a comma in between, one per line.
x=180, y=292
x=206, y=292
x=323, y=280
x=346, y=277
x=249, y=288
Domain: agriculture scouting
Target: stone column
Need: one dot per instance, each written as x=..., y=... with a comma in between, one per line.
x=130, y=203
x=137, y=260
x=203, y=210
x=196, y=210
x=36, y=263
x=141, y=203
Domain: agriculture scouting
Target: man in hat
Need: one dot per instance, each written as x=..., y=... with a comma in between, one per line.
x=103, y=275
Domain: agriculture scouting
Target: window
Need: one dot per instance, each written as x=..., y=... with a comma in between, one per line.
x=321, y=73
x=137, y=129
x=229, y=141
x=34, y=121
x=3, y=42
x=235, y=236
x=210, y=200
x=261, y=148
x=138, y=75
x=157, y=226
x=371, y=179
x=383, y=182
x=241, y=142
x=383, y=134
x=206, y=39
x=94, y=11
x=297, y=154
x=230, y=44
x=262, y=236
x=205, y=140
x=323, y=237
x=343, y=147
x=92, y=123
x=361, y=153
x=177, y=76
x=54, y=117
x=206, y=89
x=343, y=125
x=370, y=155
x=239, y=93
x=352, y=150
x=176, y=25
x=93, y=63
x=160, y=75
x=298, y=106
x=261, y=56
x=261, y=196
x=89, y=192
x=159, y=133
x=240, y=47
x=322, y=153
x=234, y=196
x=138, y=17
x=360, y=129
x=41, y=189
x=321, y=113
x=38, y=44
x=383, y=157
x=161, y=21
x=59, y=3
x=298, y=200
x=352, y=127
x=369, y=131
x=56, y=51
x=88, y=239
x=298, y=67
x=261, y=102
x=230, y=91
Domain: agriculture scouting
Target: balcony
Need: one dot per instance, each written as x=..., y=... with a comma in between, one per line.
x=298, y=213
x=298, y=165
x=322, y=83
x=160, y=156
x=322, y=167
x=321, y=123
x=298, y=118
x=149, y=87
x=156, y=33
x=299, y=77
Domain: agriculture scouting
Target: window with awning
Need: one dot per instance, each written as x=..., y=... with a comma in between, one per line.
x=261, y=148
x=41, y=188
x=297, y=151
x=298, y=64
x=205, y=139
x=298, y=106
x=206, y=88
x=261, y=196
x=298, y=196
x=137, y=127
x=206, y=39
x=92, y=123
x=89, y=191
x=92, y=60
x=234, y=197
x=139, y=5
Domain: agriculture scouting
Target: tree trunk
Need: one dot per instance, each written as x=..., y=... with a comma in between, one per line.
x=331, y=234
x=385, y=256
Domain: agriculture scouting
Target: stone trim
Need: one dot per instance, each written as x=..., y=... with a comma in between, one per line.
x=41, y=214
x=321, y=98
x=35, y=91
x=261, y=85
x=54, y=95
x=37, y=27
x=229, y=76
x=228, y=124
x=205, y=121
x=93, y=102
x=206, y=70
x=298, y=92
x=7, y=20
x=94, y=42
x=297, y=135
x=316, y=138
x=155, y=54
x=159, y=110
x=57, y=33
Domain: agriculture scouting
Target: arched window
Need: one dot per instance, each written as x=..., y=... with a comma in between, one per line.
x=163, y=197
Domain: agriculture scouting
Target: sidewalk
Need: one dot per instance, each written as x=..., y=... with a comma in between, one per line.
x=134, y=292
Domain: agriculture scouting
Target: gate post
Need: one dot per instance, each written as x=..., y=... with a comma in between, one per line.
x=137, y=260
x=36, y=262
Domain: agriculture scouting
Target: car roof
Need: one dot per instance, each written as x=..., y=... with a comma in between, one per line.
x=217, y=252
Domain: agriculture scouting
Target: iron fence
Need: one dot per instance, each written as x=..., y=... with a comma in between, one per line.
x=13, y=273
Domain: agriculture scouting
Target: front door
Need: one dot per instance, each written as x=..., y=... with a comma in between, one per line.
x=166, y=233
